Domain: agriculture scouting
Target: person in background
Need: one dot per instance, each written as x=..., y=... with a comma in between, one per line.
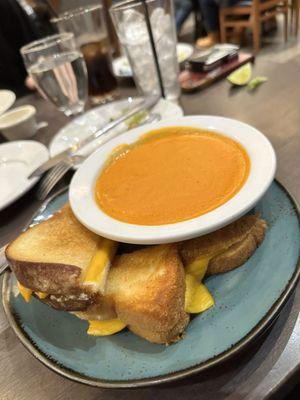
x=39, y=13
x=16, y=30
x=183, y=8
x=210, y=12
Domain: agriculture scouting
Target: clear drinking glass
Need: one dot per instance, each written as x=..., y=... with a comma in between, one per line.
x=58, y=70
x=89, y=27
x=129, y=20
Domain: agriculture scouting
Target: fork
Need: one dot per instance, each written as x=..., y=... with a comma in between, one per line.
x=55, y=174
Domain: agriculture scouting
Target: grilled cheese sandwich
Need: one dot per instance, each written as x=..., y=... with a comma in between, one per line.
x=195, y=299
x=150, y=291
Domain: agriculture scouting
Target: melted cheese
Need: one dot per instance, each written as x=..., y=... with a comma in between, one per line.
x=25, y=292
x=105, y=328
x=198, y=267
x=197, y=296
x=95, y=273
x=41, y=295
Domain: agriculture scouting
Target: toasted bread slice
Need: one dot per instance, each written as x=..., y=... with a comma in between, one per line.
x=102, y=309
x=51, y=257
x=226, y=248
x=148, y=290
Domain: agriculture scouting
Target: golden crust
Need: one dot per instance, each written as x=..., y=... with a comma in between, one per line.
x=50, y=256
x=239, y=252
x=49, y=278
x=148, y=289
x=230, y=246
x=166, y=337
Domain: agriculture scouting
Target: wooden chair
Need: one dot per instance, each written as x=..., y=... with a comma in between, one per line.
x=251, y=14
x=295, y=9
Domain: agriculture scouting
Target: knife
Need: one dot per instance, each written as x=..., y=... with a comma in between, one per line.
x=70, y=151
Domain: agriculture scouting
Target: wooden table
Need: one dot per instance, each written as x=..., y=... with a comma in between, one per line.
x=270, y=368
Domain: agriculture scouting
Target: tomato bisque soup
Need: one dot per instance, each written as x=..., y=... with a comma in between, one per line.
x=170, y=175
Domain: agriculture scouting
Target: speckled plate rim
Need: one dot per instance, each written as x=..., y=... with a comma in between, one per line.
x=263, y=324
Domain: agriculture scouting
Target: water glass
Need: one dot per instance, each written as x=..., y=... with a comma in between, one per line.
x=130, y=23
x=89, y=27
x=58, y=70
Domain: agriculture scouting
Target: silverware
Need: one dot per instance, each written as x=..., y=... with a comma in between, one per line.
x=69, y=152
x=57, y=172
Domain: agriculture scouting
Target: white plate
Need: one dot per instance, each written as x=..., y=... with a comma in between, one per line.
x=7, y=99
x=88, y=123
x=17, y=160
x=122, y=68
x=263, y=166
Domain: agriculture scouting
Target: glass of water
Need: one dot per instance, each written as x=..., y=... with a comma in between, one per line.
x=58, y=70
x=130, y=23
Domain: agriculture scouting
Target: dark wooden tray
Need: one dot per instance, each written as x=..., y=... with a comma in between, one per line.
x=191, y=81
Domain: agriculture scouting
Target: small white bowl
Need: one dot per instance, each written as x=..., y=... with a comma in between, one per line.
x=19, y=123
x=7, y=99
x=17, y=160
x=263, y=167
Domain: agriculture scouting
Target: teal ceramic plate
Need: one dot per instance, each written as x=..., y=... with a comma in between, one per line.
x=247, y=300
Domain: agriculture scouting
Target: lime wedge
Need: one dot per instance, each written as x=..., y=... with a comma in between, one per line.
x=241, y=76
x=255, y=82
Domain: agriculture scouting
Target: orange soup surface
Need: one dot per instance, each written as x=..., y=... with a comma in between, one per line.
x=171, y=175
